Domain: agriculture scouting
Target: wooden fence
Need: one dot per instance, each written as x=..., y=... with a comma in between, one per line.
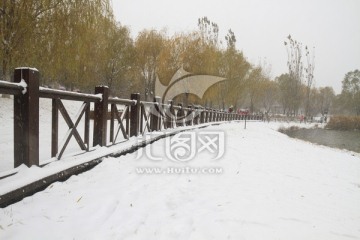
x=135, y=118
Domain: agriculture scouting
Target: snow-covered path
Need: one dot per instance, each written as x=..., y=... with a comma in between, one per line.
x=270, y=187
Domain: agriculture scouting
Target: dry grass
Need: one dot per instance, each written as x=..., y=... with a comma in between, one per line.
x=344, y=123
x=286, y=130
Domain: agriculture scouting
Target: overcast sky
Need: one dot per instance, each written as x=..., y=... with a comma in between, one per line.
x=261, y=26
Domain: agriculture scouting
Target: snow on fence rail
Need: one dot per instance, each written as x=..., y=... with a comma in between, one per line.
x=134, y=118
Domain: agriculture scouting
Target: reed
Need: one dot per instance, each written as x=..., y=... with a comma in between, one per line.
x=344, y=123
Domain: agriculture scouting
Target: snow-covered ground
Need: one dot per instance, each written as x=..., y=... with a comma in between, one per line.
x=265, y=186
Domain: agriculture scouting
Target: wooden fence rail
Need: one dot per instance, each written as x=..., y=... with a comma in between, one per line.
x=133, y=118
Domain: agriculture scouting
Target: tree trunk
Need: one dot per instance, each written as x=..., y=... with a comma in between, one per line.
x=5, y=71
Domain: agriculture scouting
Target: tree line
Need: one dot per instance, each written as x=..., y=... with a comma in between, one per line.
x=77, y=44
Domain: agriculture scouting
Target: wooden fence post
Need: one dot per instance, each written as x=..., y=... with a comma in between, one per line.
x=189, y=116
x=155, y=118
x=197, y=116
x=180, y=116
x=212, y=115
x=205, y=114
x=134, y=115
x=26, y=118
x=100, y=116
x=54, y=127
x=169, y=115
x=202, y=115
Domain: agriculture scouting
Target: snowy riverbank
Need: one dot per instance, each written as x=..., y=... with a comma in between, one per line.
x=268, y=186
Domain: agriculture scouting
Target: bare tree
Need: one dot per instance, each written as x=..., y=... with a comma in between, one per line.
x=209, y=31
x=309, y=75
x=295, y=66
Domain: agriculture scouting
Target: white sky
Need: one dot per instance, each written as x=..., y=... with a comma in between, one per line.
x=261, y=26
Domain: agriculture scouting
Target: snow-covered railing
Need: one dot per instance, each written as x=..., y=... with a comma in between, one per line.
x=11, y=88
x=120, y=115
x=68, y=95
x=130, y=117
x=57, y=106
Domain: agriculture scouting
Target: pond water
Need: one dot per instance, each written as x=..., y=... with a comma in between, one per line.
x=349, y=140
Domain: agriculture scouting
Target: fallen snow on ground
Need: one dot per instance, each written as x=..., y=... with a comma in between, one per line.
x=271, y=187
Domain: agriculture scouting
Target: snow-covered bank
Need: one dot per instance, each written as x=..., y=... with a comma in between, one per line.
x=270, y=187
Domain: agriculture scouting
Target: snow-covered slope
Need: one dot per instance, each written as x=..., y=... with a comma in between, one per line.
x=270, y=187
